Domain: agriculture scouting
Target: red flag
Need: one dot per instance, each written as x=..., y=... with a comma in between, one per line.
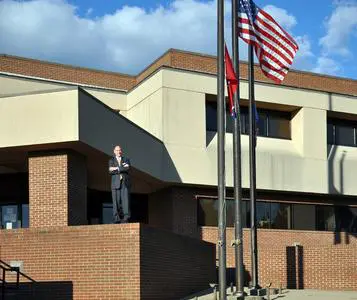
x=232, y=82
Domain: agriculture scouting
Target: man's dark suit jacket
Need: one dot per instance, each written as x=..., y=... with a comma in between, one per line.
x=116, y=183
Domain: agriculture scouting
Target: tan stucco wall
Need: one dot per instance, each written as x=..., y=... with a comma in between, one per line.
x=115, y=100
x=102, y=129
x=299, y=164
x=39, y=118
x=16, y=85
x=170, y=105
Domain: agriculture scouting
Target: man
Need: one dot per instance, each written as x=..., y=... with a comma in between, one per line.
x=119, y=170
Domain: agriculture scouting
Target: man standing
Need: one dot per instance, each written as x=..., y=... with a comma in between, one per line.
x=119, y=170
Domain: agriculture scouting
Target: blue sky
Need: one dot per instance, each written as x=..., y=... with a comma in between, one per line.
x=127, y=35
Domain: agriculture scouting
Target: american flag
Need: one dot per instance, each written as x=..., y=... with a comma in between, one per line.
x=274, y=47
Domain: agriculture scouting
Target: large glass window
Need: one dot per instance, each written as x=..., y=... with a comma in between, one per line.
x=269, y=215
x=271, y=123
x=280, y=215
x=283, y=215
x=341, y=132
x=304, y=217
x=325, y=218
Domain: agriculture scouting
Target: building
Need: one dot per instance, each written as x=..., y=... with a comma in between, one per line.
x=58, y=126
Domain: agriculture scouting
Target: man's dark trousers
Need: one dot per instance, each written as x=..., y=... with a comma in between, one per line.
x=121, y=209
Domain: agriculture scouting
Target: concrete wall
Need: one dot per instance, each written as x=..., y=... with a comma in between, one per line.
x=170, y=105
x=16, y=85
x=301, y=164
x=39, y=118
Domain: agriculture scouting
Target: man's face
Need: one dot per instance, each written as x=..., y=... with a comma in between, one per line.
x=117, y=151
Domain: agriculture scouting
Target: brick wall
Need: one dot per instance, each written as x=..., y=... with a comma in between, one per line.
x=185, y=212
x=160, y=209
x=174, y=266
x=36, y=68
x=100, y=261
x=174, y=209
x=319, y=252
x=326, y=260
x=126, y=261
x=57, y=189
x=172, y=58
x=208, y=64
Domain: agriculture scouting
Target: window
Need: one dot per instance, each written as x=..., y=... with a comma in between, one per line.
x=304, y=217
x=271, y=123
x=107, y=213
x=280, y=215
x=283, y=215
x=269, y=215
x=336, y=218
x=14, y=216
x=341, y=132
x=25, y=216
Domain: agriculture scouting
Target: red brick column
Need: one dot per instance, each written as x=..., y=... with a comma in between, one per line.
x=57, y=189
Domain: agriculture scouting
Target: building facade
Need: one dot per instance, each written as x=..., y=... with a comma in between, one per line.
x=58, y=126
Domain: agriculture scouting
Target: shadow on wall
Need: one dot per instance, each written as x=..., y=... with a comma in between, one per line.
x=295, y=267
x=344, y=220
x=231, y=276
x=348, y=228
x=44, y=290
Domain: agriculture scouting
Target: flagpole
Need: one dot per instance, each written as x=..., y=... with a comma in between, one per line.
x=237, y=165
x=252, y=144
x=221, y=114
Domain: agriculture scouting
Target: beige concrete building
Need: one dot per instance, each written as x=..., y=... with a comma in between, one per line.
x=58, y=126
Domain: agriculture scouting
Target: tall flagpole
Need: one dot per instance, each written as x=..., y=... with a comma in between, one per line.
x=237, y=165
x=221, y=114
x=252, y=143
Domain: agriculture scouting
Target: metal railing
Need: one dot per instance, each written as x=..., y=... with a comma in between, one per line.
x=7, y=268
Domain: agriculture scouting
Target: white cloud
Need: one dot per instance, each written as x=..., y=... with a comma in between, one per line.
x=341, y=25
x=285, y=20
x=126, y=40
x=327, y=65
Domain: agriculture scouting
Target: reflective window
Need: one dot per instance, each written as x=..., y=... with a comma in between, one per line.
x=9, y=217
x=270, y=123
x=279, y=127
x=25, y=215
x=341, y=132
x=283, y=215
x=107, y=213
x=325, y=218
x=207, y=212
x=344, y=135
x=304, y=217
x=263, y=215
x=280, y=215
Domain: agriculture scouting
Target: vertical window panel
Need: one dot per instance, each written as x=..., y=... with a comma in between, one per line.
x=279, y=127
